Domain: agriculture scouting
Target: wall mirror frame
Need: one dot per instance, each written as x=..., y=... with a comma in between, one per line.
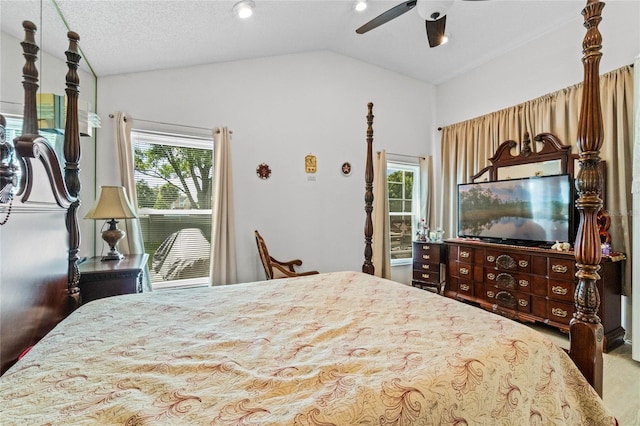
x=551, y=158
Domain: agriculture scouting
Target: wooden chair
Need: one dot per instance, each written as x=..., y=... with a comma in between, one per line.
x=275, y=269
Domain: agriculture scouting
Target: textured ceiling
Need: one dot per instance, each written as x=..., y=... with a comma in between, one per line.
x=121, y=36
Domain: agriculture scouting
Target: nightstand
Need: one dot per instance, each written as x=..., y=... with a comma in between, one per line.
x=100, y=279
x=428, y=272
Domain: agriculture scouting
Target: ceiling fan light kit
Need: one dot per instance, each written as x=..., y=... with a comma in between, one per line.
x=244, y=9
x=434, y=13
x=360, y=5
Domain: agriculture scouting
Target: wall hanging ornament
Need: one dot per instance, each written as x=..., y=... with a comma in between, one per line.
x=263, y=171
x=345, y=169
x=310, y=163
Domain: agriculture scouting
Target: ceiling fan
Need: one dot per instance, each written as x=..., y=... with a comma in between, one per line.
x=434, y=12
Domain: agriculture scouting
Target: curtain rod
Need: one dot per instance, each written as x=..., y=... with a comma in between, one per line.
x=170, y=124
x=404, y=155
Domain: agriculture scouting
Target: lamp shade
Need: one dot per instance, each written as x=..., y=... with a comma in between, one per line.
x=112, y=204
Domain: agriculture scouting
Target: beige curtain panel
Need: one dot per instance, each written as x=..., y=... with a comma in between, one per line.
x=381, y=228
x=467, y=146
x=223, y=234
x=133, y=242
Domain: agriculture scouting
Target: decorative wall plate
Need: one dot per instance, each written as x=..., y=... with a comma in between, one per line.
x=263, y=171
x=310, y=163
x=346, y=168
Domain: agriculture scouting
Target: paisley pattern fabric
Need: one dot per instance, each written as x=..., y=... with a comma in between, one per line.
x=341, y=348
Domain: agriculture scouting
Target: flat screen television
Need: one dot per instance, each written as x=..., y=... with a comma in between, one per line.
x=528, y=211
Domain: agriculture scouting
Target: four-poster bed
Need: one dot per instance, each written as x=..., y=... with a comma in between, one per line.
x=333, y=348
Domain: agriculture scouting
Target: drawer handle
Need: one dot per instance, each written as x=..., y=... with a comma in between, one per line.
x=464, y=287
x=491, y=259
x=491, y=276
x=523, y=263
x=523, y=302
x=559, y=312
x=426, y=256
x=559, y=268
x=490, y=294
x=465, y=254
x=464, y=271
x=426, y=266
x=426, y=248
x=426, y=276
x=523, y=283
x=556, y=289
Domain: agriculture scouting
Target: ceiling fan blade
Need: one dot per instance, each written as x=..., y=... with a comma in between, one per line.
x=435, y=31
x=385, y=17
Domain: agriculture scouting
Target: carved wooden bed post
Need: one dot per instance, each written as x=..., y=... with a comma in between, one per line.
x=367, y=266
x=71, y=169
x=586, y=332
x=29, y=145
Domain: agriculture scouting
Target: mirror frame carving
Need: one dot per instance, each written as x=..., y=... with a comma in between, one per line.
x=551, y=149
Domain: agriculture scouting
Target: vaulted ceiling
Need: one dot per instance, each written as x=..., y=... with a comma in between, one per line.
x=122, y=36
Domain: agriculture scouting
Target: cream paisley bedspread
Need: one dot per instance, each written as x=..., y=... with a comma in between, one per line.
x=331, y=349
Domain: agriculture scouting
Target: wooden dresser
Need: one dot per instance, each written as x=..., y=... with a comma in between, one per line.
x=427, y=259
x=530, y=284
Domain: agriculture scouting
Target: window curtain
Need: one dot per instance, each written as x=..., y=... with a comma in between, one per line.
x=381, y=240
x=427, y=199
x=132, y=242
x=223, y=243
x=467, y=146
x=635, y=310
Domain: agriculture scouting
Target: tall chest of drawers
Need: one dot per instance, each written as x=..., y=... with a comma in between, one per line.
x=530, y=284
x=427, y=260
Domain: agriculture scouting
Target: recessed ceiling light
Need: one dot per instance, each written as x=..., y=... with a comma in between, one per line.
x=360, y=5
x=244, y=9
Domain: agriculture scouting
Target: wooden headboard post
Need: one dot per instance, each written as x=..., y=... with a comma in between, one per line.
x=39, y=290
x=586, y=331
x=72, y=169
x=367, y=266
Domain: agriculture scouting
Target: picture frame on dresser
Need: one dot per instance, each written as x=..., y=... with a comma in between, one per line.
x=532, y=283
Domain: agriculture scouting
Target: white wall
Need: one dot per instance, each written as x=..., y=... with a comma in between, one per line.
x=281, y=109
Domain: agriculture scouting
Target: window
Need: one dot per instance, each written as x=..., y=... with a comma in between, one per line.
x=173, y=176
x=404, y=209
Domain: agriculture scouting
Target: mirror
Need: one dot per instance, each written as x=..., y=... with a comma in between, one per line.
x=542, y=168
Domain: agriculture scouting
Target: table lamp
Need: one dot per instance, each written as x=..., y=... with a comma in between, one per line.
x=111, y=205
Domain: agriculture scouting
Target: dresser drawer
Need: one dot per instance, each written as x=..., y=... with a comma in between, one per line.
x=509, y=280
x=426, y=252
x=561, y=312
x=508, y=261
x=562, y=269
x=510, y=299
x=427, y=276
x=465, y=287
x=561, y=290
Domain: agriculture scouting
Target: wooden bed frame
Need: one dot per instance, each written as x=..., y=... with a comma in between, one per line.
x=40, y=278
x=586, y=332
